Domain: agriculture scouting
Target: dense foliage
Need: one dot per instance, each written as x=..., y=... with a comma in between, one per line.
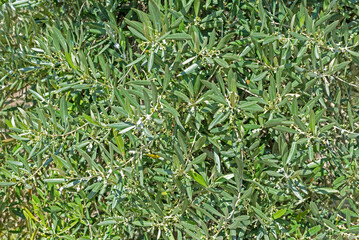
x=185, y=119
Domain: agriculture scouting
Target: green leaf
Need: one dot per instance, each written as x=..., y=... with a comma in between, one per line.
x=323, y=19
x=199, y=143
x=63, y=110
x=59, y=37
x=167, y=78
x=260, y=214
x=178, y=36
x=224, y=40
x=246, y=50
x=312, y=121
x=142, y=223
x=155, y=14
x=199, y=159
x=273, y=122
x=136, y=61
x=107, y=222
x=260, y=76
x=330, y=224
x=197, y=4
x=299, y=123
x=55, y=180
x=331, y=27
x=6, y=184
x=221, y=117
x=270, y=39
x=221, y=62
x=150, y=61
x=250, y=106
x=137, y=34
x=340, y=66
x=122, y=126
x=279, y=213
x=69, y=60
x=292, y=152
x=325, y=190
x=15, y=163
x=355, y=54
x=285, y=129
x=314, y=230
x=313, y=207
x=198, y=178
x=299, y=36
x=190, y=69
x=37, y=95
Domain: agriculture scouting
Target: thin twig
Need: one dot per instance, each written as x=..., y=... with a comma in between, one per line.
x=65, y=134
x=350, y=84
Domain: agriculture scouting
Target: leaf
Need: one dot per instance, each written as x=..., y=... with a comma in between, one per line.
x=136, y=61
x=331, y=27
x=355, y=54
x=155, y=14
x=89, y=160
x=259, y=77
x=250, y=106
x=325, y=190
x=340, y=66
x=199, y=159
x=354, y=230
x=69, y=60
x=299, y=36
x=218, y=119
x=299, y=123
x=107, y=222
x=330, y=224
x=59, y=37
x=63, y=110
x=178, y=36
x=137, y=34
x=190, y=69
x=246, y=50
x=15, y=163
x=224, y=40
x=182, y=96
x=279, y=213
x=142, y=223
x=150, y=61
x=37, y=95
x=197, y=4
x=221, y=62
x=6, y=184
x=313, y=207
x=55, y=180
x=199, y=143
x=314, y=230
x=198, y=178
x=146, y=99
x=270, y=39
x=167, y=78
x=285, y=129
x=212, y=210
x=312, y=121
x=260, y=214
x=121, y=125
x=302, y=51
x=292, y=152
x=217, y=160
x=323, y=19
x=273, y=122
